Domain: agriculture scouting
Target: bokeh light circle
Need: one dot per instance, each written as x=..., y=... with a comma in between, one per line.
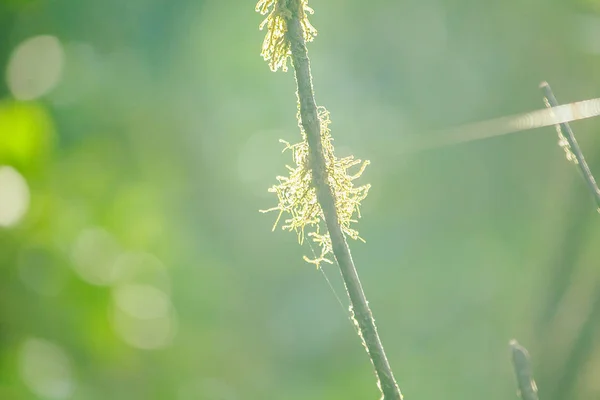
x=14, y=196
x=144, y=326
x=94, y=254
x=35, y=67
x=46, y=369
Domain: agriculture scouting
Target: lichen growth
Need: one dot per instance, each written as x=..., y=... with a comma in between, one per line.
x=297, y=195
x=562, y=140
x=276, y=47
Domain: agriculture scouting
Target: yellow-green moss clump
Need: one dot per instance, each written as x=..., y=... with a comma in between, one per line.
x=298, y=198
x=276, y=47
x=296, y=192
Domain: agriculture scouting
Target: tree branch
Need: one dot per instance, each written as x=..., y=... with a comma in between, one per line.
x=362, y=315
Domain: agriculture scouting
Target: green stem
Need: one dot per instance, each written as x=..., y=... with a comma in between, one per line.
x=567, y=132
x=525, y=382
x=312, y=127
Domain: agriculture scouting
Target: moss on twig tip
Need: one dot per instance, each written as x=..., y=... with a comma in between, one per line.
x=276, y=47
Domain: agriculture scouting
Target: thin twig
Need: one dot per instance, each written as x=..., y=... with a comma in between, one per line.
x=312, y=127
x=522, y=366
x=566, y=131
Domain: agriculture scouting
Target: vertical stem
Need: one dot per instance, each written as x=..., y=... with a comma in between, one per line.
x=570, y=136
x=521, y=364
x=311, y=124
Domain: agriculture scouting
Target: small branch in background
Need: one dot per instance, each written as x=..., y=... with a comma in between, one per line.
x=570, y=145
x=522, y=366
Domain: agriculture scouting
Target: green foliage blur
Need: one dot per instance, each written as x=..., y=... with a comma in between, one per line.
x=137, y=143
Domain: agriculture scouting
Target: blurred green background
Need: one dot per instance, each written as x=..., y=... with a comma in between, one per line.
x=137, y=143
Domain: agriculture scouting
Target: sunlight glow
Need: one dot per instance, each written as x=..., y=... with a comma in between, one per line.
x=142, y=301
x=14, y=196
x=94, y=254
x=46, y=369
x=140, y=268
x=154, y=331
x=142, y=313
x=35, y=67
